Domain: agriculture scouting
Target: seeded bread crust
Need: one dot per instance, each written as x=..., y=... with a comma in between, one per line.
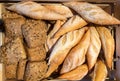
x=35, y=71
x=21, y=69
x=37, y=53
x=12, y=53
x=13, y=27
x=34, y=32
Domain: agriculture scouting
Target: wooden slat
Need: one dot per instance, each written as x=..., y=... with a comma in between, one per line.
x=117, y=14
x=118, y=41
x=118, y=53
x=97, y=1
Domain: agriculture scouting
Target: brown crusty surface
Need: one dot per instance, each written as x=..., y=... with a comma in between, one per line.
x=13, y=27
x=21, y=69
x=37, y=53
x=35, y=71
x=34, y=32
x=7, y=39
x=12, y=24
x=8, y=14
x=11, y=53
x=15, y=50
x=2, y=51
x=10, y=70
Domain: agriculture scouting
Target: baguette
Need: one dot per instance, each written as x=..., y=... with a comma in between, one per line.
x=73, y=23
x=100, y=71
x=76, y=56
x=35, y=10
x=76, y=74
x=50, y=39
x=62, y=47
x=108, y=44
x=92, y=13
x=13, y=27
x=61, y=9
x=94, y=48
x=35, y=71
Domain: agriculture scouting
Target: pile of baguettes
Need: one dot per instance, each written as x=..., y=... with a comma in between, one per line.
x=75, y=44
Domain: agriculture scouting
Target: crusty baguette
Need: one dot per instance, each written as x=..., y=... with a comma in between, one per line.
x=56, y=27
x=73, y=23
x=61, y=9
x=92, y=13
x=108, y=44
x=76, y=56
x=6, y=14
x=100, y=71
x=62, y=47
x=14, y=51
x=50, y=39
x=76, y=74
x=35, y=10
x=94, y=47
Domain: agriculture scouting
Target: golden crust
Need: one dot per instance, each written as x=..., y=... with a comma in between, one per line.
x=108, y=44
x=36, y=11
x=72, y=24
x=76, y=56
x=62, y=47
x=94, y=47
x=100, y=71
x=76, y=74
x=92, y=13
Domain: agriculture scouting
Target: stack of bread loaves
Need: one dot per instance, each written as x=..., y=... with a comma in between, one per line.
x=23, y=50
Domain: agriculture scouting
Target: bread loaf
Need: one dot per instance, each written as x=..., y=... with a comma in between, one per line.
x=50, y=39
x=34, y=32
x=76, y=74
x=108, y=44
x=13, y=27
x=92, y=13
x=76, y=56
x=61, y=9
x=35, y=10
x=35, y=71
x=100, y=71
x=37, y=53
x=73, y=23
x=62, y=47
x=21, y=69
x=12, y=53
x=94, y=47
x=11, y=70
